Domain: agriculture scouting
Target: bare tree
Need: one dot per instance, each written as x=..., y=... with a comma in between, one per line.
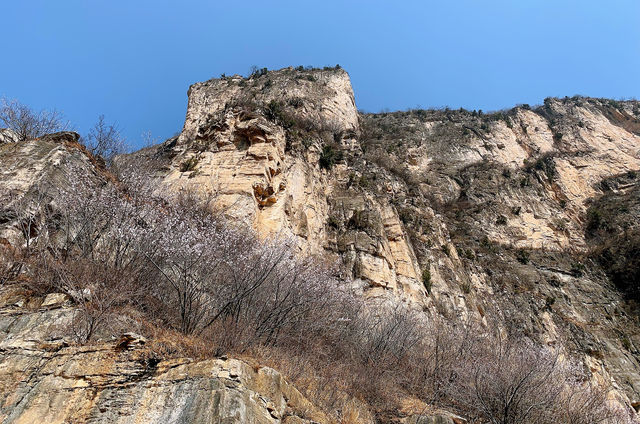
x=148, y=140
x=97, y=290
x=29, y=124
x=105, y=140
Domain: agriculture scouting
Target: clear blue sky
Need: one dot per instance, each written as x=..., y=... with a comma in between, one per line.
x=133, y=60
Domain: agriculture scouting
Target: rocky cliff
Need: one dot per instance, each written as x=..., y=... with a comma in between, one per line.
x=32, y=173
x=463, y=213
x=510, y=219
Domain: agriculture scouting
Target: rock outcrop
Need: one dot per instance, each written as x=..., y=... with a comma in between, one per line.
x=31, y=175
x=43, y=379
x=7, y=135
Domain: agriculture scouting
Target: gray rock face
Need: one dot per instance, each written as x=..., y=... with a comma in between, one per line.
x=44, y=380
x=31, y=173
x=7, y=135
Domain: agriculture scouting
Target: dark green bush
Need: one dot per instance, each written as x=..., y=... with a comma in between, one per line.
x=577, y=269
x=426, y=279
x=275, y=111
x=547, y=165
x=189, y=164
x=257, y=72
x=329, y=156
x=522, y=256
x=596, y=220
x=295, y=102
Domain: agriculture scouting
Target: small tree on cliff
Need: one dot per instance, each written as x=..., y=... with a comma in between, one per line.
x=104, y=140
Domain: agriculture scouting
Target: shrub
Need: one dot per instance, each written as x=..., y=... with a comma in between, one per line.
x=596, y=220
x=522, y=256
x=275, y=111
x=104, y=140
x=546, y=164
x=426, y=279
x=557, y=136
x=189, y=164
x=256, y=72
x=27, y=123
x=549, y=301
x=577, y=269
x=296, y=102
x=329, y=156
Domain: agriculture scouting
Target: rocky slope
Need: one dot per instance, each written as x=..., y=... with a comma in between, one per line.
x=46, y=376
x=44, y=380
x=459, y=213
x=32, y=173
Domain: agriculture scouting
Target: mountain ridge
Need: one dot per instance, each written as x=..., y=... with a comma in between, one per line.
x=454, y=215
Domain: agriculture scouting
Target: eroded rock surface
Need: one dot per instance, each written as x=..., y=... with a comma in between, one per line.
x=44, y=379
x=462, y=214
x=32, y=174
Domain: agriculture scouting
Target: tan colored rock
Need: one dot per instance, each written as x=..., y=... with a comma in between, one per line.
x=54, y=300
x=31, y=172
x=49, y=382
x=414, y=185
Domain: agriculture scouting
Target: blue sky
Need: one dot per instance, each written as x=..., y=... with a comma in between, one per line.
x=133, y=60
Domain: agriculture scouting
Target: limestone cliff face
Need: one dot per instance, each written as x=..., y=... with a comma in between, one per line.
x=460, y=213
x=488, y=217
x=44, y=380
x=239, y=156
x=236, y=148
x=256, y=147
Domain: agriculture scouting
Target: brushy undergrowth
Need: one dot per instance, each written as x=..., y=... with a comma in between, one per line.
x=201, y=287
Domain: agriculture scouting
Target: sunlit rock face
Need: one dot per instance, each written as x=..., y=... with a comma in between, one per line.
x=43, y=379
x=463, y=214
x=239, y=156
x=254, y=147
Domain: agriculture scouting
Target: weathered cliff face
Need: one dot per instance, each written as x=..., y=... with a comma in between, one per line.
x=461, y=213
x=261, y=148
x=44, y=380
x=229, y=150
x=31, y=175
